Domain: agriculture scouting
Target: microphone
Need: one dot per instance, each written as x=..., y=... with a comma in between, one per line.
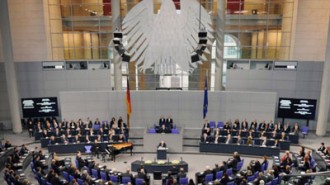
x=181, y=158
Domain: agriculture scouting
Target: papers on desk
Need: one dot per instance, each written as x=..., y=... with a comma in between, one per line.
x=162, y=148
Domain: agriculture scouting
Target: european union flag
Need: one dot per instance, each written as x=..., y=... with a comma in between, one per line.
x=206, y=100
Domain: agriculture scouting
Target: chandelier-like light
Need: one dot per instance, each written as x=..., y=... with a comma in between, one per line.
x=162, y=41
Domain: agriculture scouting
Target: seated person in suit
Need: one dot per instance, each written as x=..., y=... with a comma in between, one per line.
x=120, y=138
x=236, y=125
x=262, y=179
x=270, y=126
x=295, y=129
x=322, y=148
x=253, y=125
x=96, y=148
x=57, y=133
x=227, y=126
x=89, y=123
x=56, y=180
x=97, y=122
x=225, y=178
x=23, y=150
x=244, y=125
x=287, y=127
x=163, y=129
x=162, y=144
x=142, y=175
x=181, y=174
x=262, y=126
x=128, y=174
x=64, y=140
x=52, y=140
x=81, y=162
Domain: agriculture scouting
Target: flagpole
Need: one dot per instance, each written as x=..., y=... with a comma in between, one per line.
x=128, y=114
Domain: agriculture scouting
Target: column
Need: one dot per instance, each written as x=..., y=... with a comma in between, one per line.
x=116, y=23
x=220, y=26
x=286, y=32
x=10, y=68
x=322, y=118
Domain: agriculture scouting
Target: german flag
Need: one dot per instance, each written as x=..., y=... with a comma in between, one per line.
x=128, y=100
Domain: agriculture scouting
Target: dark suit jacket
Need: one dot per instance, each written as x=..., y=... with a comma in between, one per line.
x=55, y=181
x=162, y=145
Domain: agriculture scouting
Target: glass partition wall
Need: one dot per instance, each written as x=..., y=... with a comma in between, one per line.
x=254, y=29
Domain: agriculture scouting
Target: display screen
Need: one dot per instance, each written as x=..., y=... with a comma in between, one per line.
x=296, y=108
x=39, y=107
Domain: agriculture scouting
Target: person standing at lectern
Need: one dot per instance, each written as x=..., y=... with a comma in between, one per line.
x=162, y=144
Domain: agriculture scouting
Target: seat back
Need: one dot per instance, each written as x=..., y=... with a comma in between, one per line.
x=71, y=178
x=212, y=124
x=274, y=181
x=175, y=131
x=151, y=131
x=250, y=178
x=256, y=174
x=183, y=181
x=220, y=124
x=65, y=175
x=95, y=173
x=48, y=183
x=219, y=175
x=114, y=178
x=87, y=169
x=126, y=180
x=139, y=181
x=80, y=181
x=208, y=178
x=231, y=183
x=38, y=179
x=96, y=127
x=229, y=172
x=104, y=176
x=77, y=164
x=304, y=130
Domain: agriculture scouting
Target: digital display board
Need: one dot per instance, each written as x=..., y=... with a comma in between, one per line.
x=39, y=107
x=296, y=108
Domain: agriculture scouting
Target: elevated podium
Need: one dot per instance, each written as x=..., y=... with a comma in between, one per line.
x=161, y=153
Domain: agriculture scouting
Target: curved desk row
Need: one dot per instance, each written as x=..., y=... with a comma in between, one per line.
x=4, y=155
x=154, y=166
x=45, y=141
x=241, y=149
x=39, y=135
x=292, y=137
x=73, y=148
x=283, y=145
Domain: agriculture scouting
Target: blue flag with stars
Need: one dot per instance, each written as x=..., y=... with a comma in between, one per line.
x=206, y=100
